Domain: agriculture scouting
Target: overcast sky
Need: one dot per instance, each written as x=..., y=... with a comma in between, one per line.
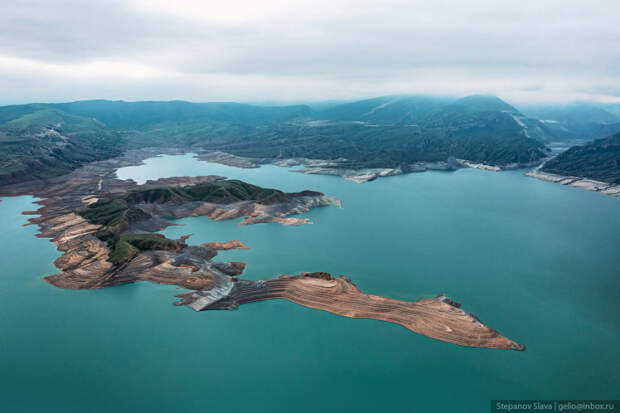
x=295, y=50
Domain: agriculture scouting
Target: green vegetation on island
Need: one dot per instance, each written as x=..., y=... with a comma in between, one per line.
x=219, y=192
x=124, y=247
x=116, y=214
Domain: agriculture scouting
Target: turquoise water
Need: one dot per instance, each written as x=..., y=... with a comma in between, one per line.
x=538, y=261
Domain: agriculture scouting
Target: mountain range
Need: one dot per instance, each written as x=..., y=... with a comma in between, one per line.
x=42, y=140
x=578, y=121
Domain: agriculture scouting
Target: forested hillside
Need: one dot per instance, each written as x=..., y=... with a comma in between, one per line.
x=42, y=140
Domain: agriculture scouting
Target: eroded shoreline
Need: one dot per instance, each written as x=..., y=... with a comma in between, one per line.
x=577, y=182
x=439, y=317
x=85, y=261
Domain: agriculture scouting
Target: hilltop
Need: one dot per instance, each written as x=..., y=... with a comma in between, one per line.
x=38, y=142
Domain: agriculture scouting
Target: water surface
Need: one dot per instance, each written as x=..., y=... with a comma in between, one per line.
x=535, y=260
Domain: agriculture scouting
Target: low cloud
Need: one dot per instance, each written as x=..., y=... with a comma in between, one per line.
x=308, y=50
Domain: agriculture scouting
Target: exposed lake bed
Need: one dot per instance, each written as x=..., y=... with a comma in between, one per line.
x=513, y=249
x=106, y=227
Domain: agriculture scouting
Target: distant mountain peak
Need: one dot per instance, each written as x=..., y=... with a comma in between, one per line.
x=486, y=102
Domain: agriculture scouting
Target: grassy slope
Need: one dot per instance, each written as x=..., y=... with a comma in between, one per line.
x=126, y=246
x=116, y=214
x=407, y=129
x=42, y=142
x=221, y=192
x=396, y=131
x=149, y=115
x=488, y=140
x=599, y=160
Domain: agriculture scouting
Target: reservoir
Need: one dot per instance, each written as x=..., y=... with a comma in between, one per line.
x=537, y=261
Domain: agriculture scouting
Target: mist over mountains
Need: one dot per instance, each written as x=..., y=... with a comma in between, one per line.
x=40, y=140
